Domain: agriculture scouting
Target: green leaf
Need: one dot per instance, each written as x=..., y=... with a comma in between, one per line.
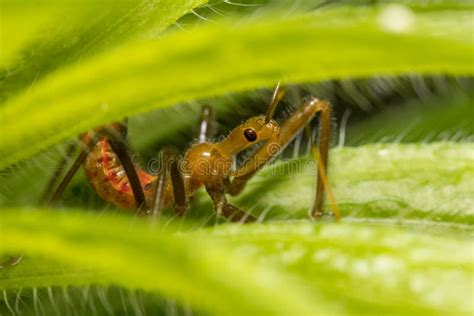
x=32, y=50
x=360, y=266
x=405, y=243
x=273, y=268
x=366, y=268
x=404, y=183
x=195, y=270
x=217, y=59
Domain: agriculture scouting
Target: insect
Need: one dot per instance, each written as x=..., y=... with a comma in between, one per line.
x=108, y=165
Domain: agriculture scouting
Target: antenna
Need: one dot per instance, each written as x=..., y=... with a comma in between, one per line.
x=277, y=96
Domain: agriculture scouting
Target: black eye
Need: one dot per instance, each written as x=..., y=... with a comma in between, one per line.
x=250, y=134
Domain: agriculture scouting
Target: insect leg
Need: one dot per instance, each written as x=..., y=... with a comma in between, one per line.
x=321, y=157
x=85, y=149
x=224, y=208
x=57, y=172
x=13, y=261
x=206, y=128
x=273, y=148
x=169, y=170
x=117, y=143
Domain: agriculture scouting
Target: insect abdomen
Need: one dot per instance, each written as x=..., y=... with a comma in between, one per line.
x=107, y=176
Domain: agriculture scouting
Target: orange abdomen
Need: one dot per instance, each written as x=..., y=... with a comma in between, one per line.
x=108, y=178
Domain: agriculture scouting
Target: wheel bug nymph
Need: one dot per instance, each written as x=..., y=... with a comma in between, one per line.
x=106, y=160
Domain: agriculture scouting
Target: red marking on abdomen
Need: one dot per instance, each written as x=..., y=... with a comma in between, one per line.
x=108, y=178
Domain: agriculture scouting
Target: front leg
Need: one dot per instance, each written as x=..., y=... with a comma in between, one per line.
x=273, y=147
x=13, y=261
x=223, y=208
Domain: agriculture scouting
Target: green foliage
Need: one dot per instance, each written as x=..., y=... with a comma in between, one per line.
x=363, y=265
x=393, y=182
x=278, y=268
x=152, y=260
x=97, y=90
x=405, y=243
x=446, y=119
x=34, y=49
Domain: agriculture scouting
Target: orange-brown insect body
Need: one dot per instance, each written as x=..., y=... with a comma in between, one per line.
x=109, y=166
x=203, y=163
x=111, y=171
x=108, y=178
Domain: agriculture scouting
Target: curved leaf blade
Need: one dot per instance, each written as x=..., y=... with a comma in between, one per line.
x=214, y=60
x=136, y=255
x=325, y=268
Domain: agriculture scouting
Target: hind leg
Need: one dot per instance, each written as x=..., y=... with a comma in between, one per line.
x=13, y=261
